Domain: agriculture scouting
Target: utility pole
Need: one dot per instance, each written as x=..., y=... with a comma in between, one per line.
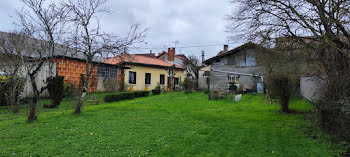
x=176, y=43
x=203, y=55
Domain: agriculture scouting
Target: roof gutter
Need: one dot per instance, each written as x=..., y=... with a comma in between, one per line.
x=237, y=73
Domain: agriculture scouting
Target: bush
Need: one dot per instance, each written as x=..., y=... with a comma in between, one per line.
x=3, y=90
x=125, y=96
x=233, y=87
x=118, y=97
x=56, y=90
x=216, y=96
x=155, y=92
x=10, y=90
x=188, y=85
x=68, y=91
x=282, y=87
x=206, y=90
x=333, y=108
x=123, y=86
x=141, y=94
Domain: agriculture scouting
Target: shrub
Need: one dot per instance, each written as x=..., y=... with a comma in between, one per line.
x=123, y=86
x=10, y=90
x=68, y=89
x=206, y=90
x=282, y=87
x=158, y=87
x=188, y=85
x=155, y=92
x=216, y=95
x=141, y=94
x=118, y=97
x=333, y=108
x=56, y=90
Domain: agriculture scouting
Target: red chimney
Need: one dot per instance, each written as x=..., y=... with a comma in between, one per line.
x=171, y=54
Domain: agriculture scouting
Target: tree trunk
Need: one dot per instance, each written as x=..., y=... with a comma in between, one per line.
x=80, y=102
x=85, y=89
x=32, y=113
x=285, y=105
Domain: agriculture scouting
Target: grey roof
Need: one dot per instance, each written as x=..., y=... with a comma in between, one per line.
x=60, y=49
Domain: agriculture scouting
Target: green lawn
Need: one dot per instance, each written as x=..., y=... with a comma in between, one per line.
x=166, y=125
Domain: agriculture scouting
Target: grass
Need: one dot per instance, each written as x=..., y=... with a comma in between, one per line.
x=167, y=125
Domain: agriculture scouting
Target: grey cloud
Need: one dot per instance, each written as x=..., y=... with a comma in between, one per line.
x=191, y=22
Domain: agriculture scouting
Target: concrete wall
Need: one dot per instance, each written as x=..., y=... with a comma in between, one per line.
x=310, y=87
x=155, y=77
x=101, y=86
x=40, y=80
x=202, y=80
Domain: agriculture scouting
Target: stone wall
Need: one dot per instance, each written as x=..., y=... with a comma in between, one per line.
x=219, y=81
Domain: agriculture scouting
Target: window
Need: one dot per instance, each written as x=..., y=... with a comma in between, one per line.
x=132, y=77
x=107, y=71
x=148, y=78
x=176, y=81
x=231, y=60
x=250, y=59
x=240, y=59
x=162, y=79
x=233, y=78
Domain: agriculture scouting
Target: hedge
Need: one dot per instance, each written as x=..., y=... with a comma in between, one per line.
x=155, y=92
x=141, y=94
x=125, y=96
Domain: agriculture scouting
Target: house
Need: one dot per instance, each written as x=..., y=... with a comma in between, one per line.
x=147, y=73
x=73, y=68
x=236, y=66
x=67, y=63
x=171, y=57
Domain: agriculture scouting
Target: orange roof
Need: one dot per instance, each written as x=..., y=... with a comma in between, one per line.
x=139, y=59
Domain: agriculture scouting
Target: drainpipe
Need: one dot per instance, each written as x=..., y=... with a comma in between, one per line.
x=237, y=73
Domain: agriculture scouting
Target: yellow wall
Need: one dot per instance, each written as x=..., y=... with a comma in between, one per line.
x=155, y=77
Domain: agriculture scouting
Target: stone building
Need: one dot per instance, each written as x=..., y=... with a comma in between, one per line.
x=235, y=66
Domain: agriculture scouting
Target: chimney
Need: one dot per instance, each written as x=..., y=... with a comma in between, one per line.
x=225, y=48
x=150, y=51
x=203, y=56
x=171, y=54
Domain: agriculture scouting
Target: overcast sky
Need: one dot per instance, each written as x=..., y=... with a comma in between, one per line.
x=191, y=22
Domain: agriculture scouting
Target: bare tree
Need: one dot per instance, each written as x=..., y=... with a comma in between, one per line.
x=47, y=20
x=43, y=24
x=320, y=28
x=192, y=67
x=171, y=73
x=11, y=48
x=325, y=22
x=91, y=42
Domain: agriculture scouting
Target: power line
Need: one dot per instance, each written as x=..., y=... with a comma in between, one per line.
x=183, y=47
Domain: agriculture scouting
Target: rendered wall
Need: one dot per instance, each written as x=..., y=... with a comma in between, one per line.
x=155, y=77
